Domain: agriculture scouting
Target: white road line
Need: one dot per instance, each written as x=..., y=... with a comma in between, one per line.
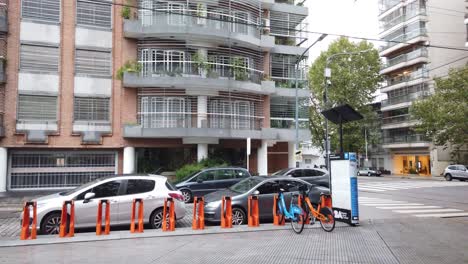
x=426, y=211
x=442, y=215
x=409, y=207
x=390, y=204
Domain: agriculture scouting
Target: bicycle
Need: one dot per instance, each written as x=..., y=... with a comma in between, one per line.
x=323, y=213
x=295, y=213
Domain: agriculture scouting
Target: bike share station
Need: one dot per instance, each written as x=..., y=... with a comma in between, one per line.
x=343, y=170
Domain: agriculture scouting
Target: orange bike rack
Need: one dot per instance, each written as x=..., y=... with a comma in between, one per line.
x=67, y=229
x=326, y=201
x=276, y=217
x=253, y=219
x=226, y=212
x=140, y=216
x=299, y=203
x=198, y=221
x=171, y=225
x=99, y=218
x=26, y=216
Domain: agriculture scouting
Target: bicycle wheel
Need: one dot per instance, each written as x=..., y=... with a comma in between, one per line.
x=329, y=224
x=298, y=223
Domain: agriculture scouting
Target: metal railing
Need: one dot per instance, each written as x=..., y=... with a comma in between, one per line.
x=405, y=98
x=406, y=139
x=291, y=2
x=290, y=83
x=404, y=17
x=289, y=36
x=421, y=73
x=422, y=52
x=195, y=69
x=197, y=120
x=385, y=5
x=405, y=37
x=396, y=119
x=288, y=123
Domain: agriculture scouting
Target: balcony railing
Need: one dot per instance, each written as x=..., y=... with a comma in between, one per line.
x=421, y=73
x=400, y=19
x=289, y=123
x=195, y=69
x=290, y=83
x=396, y=119
x=404, y=98
x=405, y=57
x=197, y=120
x=419, y=32
x=385, y=5
x=291, y=2
x=406, y=139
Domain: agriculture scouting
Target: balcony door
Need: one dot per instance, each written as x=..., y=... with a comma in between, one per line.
x=240, y=21
x=162, y=62
x=231, y=114
x=164, y=112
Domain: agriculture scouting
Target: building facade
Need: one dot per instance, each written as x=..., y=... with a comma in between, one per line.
x=94, y=88
x=409, y=71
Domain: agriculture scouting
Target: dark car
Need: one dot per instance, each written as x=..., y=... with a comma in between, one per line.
x=314, y=176
x=209, y=180
x=266, y=188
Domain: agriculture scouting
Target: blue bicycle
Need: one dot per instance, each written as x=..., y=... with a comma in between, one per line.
x=295, y=213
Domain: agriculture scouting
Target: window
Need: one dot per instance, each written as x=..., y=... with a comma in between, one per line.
x=157, y=112
x=93, y=62
x=269, y=188
x=33, y=107
x=206, y=176
x=139, y=186
x=89, y=109
x=41, y=10
x=97, y=14
x=224, y=174
x=241, y=174
x=297, y=173
x=39, y=58
x=290, y=186
x=228, y=114
x=107, y=189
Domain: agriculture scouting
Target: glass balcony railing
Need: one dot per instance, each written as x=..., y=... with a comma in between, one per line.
x=406, y=139
x=290, y=83
x=291, y=2
x=289, y=123
x=404, y=98
x=421, y=73
x=405, y=57
x=400, y=19
x=385, y=5
x=396, y=119
x=420, y=32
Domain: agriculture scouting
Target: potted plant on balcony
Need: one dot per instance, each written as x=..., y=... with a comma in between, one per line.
x=200, y=62
x=130, y=66
x=240, y=72
x=201, y=14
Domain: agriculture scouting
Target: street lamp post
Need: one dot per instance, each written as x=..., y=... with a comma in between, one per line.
x=296, y=142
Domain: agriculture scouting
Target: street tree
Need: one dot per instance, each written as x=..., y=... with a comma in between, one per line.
x=443, y=116
x=354, y=81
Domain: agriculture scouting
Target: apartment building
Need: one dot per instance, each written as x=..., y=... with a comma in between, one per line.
x=94, y=88
x=409, y=71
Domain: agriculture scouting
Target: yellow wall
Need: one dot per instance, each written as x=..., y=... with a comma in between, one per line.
x=402, y=164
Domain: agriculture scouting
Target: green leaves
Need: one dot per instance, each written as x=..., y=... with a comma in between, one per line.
x=354, y=80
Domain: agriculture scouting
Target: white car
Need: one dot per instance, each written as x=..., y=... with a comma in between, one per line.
x=456, y=172
x=120, y=191
x=368, y=172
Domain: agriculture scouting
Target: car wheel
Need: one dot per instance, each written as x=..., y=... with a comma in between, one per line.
x=51, y=224
x=369, y=174
x=187, y=195
x=448, y=177
x=238, y=216
x=156, y=218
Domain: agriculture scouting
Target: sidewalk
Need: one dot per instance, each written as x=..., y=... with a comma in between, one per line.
x=410, y=176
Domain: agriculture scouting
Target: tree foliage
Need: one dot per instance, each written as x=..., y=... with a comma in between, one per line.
x=354, y=80
x=443, y=116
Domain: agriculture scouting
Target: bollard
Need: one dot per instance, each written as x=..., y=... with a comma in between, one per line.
x=67, y=229
x=171, y=225
x=198, y=221
x=226, y=212
x=99, y=218
x=299, y=203
x=276, y=217
x=26, y=216
x=326, y=201
x=253, y=219
x=140, y=216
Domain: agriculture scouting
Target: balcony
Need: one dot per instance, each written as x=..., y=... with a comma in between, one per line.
x=92, y=131
x=213, y=27
x=385, y=5
x=407, y=18
x=402, y=101
x=416, y=77
x=189, y=75
x=406, y=141
x=405, y=60
x=411, y=37
x=36, y=131
x=287, y=87
x=397, y=121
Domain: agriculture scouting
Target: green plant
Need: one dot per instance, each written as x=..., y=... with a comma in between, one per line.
x=240, y=72
x=413, y=171
x=129, y=66
x=200, y=61
x=125, y=12
x=131, y=123
x=188, y=169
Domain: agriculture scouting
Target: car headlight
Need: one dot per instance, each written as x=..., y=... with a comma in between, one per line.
x=40, y=205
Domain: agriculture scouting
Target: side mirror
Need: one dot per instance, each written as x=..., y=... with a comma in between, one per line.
x=256, y=192
x=88, y=196
x=199, y=180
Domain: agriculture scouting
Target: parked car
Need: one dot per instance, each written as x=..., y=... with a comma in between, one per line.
x=313, y=176
x=209, y=180
x=459, y=172
x=120, y=191
x=266, y=188
x=368, y=172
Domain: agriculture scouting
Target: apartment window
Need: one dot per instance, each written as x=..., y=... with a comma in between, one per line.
x=41, y=10
x=92, y=62
x=94, y=14
x=91, y=109
x=158, y=112
x=39, y=58
x=33, y=107
x=231, y=114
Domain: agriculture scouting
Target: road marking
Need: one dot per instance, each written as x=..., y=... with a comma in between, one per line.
x=404, y=185
x=426, y=211
x=408, y=207
x=390, y=204
x=442, y=215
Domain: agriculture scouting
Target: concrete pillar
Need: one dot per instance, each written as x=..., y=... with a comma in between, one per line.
x=3, y=169
x=262, y=158
x=129, y=160
x=202, y=110
x=291, y=155
x=202, y=151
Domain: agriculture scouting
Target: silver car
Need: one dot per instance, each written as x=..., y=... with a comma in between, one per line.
x=120, y=191
x=368, y=172
x=456, y=172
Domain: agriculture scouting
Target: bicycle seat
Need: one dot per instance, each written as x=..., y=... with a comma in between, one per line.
x=281, y=190
x=325, y=194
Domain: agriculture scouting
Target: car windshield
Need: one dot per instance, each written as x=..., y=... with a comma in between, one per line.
x=280, y=172
x=245, y=185
x=82, y=187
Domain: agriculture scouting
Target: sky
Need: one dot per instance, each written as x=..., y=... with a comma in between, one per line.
x=348, y=17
